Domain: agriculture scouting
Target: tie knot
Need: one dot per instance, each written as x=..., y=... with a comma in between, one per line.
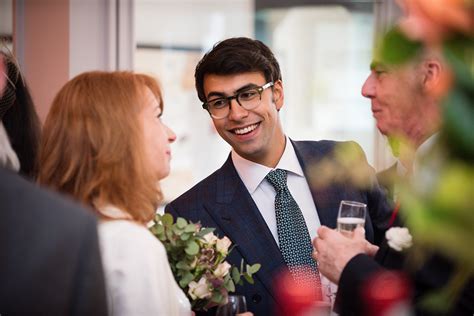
x=277, y=179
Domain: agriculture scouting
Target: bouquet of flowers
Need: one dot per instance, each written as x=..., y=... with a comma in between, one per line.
x=197, y=259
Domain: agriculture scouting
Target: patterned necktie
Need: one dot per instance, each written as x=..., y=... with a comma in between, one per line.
x=295, y=242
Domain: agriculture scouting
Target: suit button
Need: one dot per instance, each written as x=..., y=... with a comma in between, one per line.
x=256, y=298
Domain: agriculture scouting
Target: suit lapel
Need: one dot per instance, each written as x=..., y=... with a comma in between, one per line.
x=237, y=215
x=325, y=197
x=387, y=179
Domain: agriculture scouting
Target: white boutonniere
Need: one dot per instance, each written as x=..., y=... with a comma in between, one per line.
x=399, y=238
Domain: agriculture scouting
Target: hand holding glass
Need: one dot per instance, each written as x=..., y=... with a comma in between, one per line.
x=351, y=215
x=236, y=304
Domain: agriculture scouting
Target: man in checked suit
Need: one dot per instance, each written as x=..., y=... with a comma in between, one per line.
x=240, y=83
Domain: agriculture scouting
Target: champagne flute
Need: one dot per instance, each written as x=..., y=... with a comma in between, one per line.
x=236, y=304
x=351, y=215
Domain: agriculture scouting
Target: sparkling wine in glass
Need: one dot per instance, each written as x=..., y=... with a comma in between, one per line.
x=351, y=215
x=236, y=304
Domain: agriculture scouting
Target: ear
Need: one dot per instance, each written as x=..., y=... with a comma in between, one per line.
x=278, y=94
x=432, y=69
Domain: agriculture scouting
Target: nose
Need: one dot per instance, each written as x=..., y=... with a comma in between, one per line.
x=368, y=89
x=171, y=134
x=236, y=111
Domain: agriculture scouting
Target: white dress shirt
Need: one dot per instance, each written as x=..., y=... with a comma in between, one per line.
x=263, y=193
x=420, y=152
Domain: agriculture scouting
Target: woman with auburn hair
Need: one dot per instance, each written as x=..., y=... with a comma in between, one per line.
x=105, y=145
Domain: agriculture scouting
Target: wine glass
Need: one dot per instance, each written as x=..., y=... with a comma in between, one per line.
x=236, y=304
x=351, y=215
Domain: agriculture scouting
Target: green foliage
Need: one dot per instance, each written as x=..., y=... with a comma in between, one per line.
x=458, y=132
x=196, y=255
x=396, y=48
x=438, y=206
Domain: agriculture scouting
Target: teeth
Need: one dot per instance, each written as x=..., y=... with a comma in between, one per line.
x=245, y=130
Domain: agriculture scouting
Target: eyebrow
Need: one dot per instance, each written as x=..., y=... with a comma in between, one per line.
x=223, y=95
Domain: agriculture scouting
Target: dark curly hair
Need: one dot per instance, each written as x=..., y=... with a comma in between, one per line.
x=234, y=56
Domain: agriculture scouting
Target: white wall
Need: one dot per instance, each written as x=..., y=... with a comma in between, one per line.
x=101, y=35
x=6, y=17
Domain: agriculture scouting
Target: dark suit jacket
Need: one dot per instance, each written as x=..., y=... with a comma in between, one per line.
x=387, y=179
x=222, y=201
x=49, y=255
x=431, y=276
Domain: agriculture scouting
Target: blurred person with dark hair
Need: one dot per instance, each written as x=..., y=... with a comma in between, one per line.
x=264, y=197
x=105, y=145
x=19, y=117
x=50, y=259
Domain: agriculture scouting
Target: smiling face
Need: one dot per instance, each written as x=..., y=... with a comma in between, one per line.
x=157, y=136
x=255, y=134
x=396, y=99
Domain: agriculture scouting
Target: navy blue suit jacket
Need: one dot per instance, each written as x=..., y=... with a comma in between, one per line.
x=222, y=201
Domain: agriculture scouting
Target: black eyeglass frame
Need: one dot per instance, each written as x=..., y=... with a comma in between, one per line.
x=229, y=99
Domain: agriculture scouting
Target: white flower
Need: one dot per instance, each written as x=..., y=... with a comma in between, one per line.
x=199, y=290
x=210, y=238
x=222, y=269
x=399, y=238
x=223, y=245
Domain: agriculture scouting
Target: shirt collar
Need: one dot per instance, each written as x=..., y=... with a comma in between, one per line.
x=424, y=149
x=252, y=174
x=420, y=152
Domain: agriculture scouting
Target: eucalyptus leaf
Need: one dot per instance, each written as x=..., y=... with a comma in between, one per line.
x=182, y=265
x=181, y=222
x=158, y=229
x=190, y=228
x=254, y=268
x=153, y=230
x=188, y=277
x=205, y=231
x=169, y=234
x=157, y=218
x=167, y=219
x=217, y=297
x=248, y=279
x=236, y=275
x=192, y=248
x=230, y=286
x=176, y=230
x=185, y=236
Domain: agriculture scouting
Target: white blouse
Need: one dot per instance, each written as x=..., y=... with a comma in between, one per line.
x=138, y=277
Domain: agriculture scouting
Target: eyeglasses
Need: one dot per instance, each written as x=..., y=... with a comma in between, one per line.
x=248, y=99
